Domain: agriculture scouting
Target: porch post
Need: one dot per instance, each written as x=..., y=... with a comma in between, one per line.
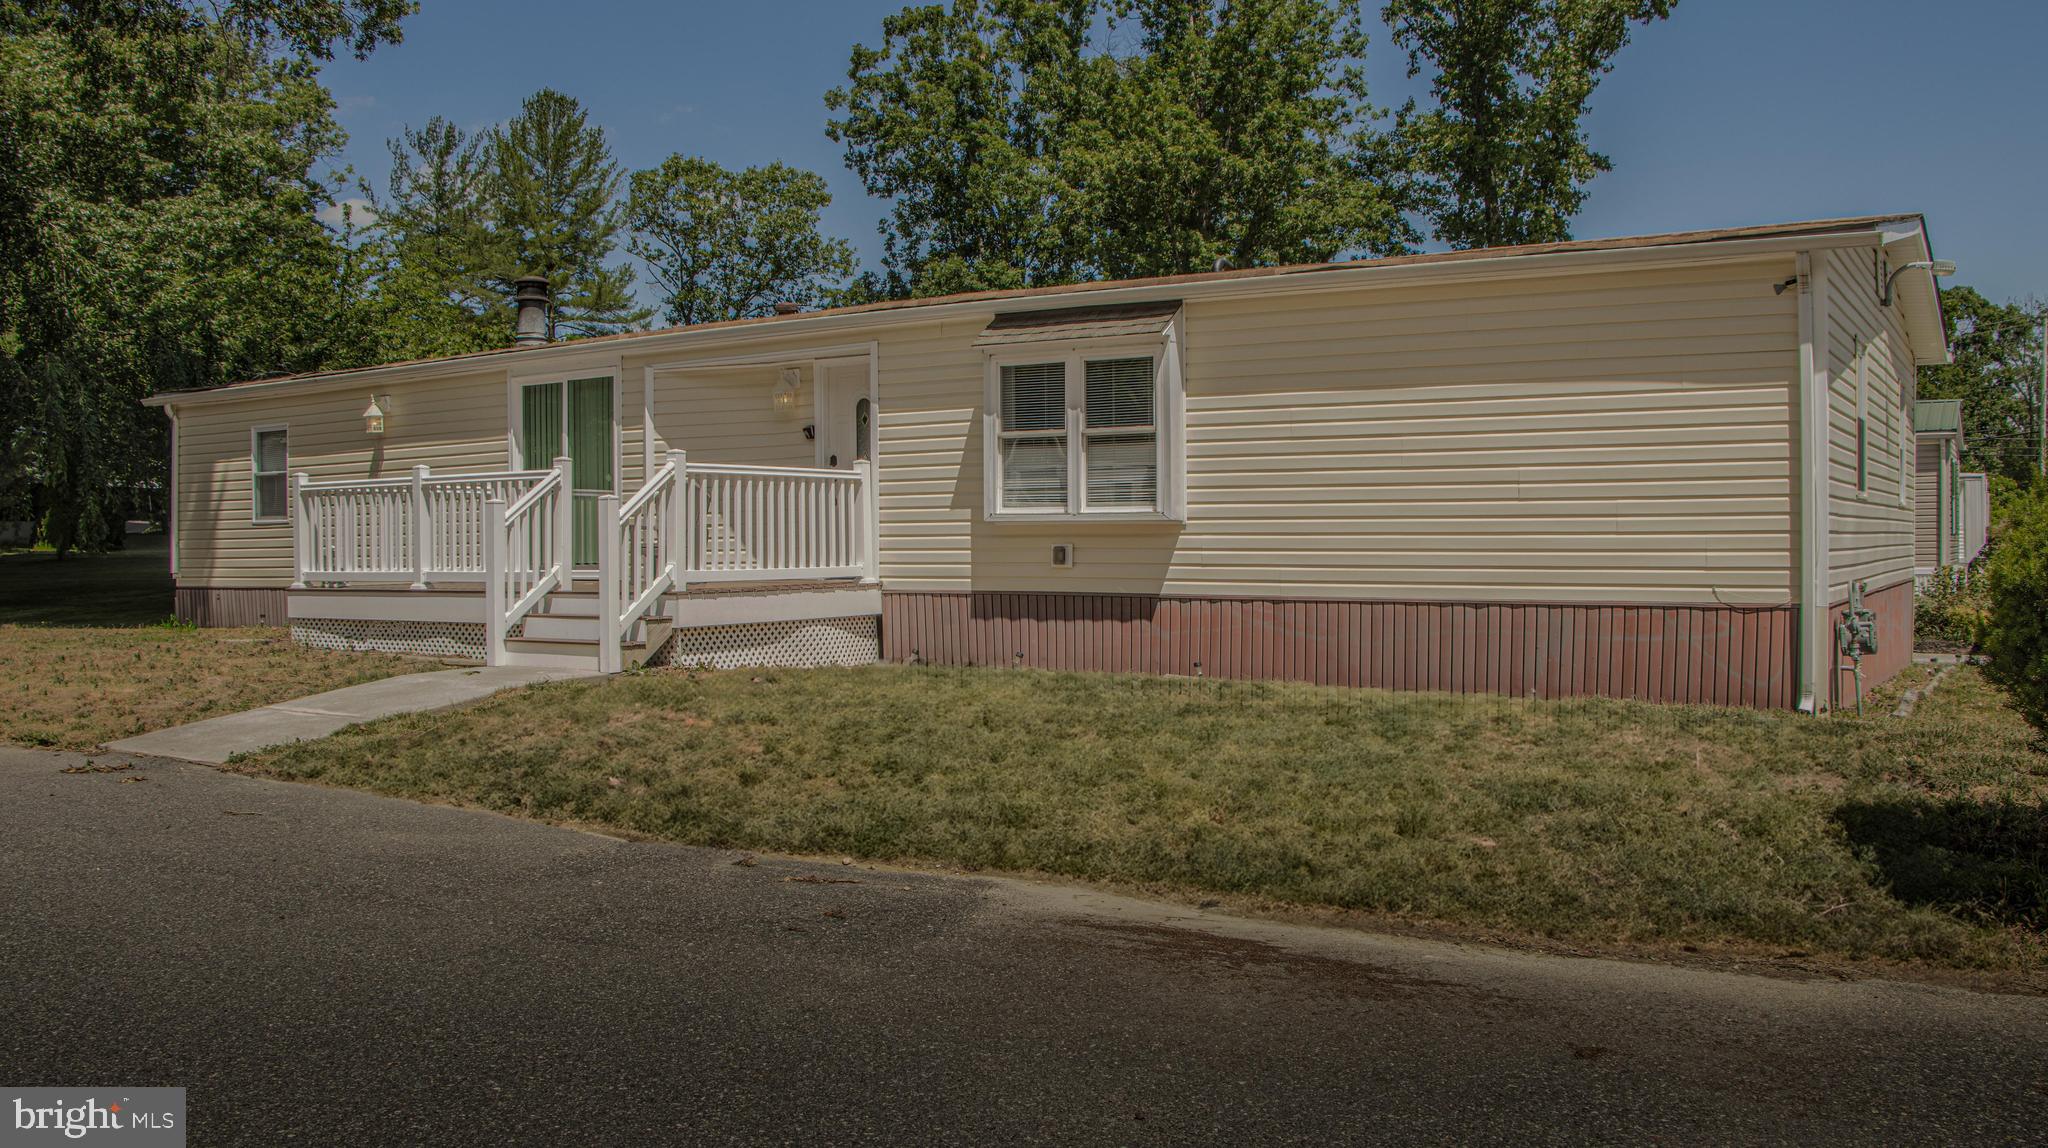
x=871, y=520
x=494, y=582
x=676, y=524
x=608, y=654
x=302, y=530
x=564, y=557
x=422, y=530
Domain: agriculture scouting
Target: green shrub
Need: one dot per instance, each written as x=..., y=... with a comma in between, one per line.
x=1952, y=608
x=2016, y=631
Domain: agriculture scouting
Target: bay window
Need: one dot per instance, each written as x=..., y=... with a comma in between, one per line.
x=1082, y=432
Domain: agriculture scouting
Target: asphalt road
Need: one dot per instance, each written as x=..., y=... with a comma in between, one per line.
x=325, y=967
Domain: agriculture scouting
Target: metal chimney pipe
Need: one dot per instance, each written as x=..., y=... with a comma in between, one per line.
x=531, y=298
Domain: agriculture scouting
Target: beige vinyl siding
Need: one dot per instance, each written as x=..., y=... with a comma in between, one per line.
x=729, y=417
x=1599, y=437
x=1870, y=532
x=1927, y=504
x=453, y=425
x=1620, y=436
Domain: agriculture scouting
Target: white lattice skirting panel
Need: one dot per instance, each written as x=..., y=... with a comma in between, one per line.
x=825, y=642
x=432, y=639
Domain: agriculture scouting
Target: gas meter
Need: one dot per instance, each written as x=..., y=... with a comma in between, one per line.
x=1856, y=633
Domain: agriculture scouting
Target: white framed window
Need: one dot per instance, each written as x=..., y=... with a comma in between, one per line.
x=270, y=491
x=1086, y=430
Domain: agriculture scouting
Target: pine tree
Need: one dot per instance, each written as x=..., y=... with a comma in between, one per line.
x=552, y=190
x=434, y=250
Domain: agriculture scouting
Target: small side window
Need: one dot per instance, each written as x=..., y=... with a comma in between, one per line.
x=270, y=488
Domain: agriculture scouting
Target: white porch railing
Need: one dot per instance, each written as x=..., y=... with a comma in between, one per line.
x=773, y=523
x=514, y=532
x=528, y=548
x=639, y=551
x=419, y=529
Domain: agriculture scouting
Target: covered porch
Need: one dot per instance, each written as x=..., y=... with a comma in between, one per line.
x=706, y=563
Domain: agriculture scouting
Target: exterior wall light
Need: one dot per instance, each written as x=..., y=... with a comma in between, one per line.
x=375, y=414
x=786, y=389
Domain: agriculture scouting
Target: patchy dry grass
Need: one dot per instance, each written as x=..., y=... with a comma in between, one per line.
x=86, y=655
x=1596, y=822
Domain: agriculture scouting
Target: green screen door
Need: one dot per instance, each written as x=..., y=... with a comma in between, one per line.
x=576, y=419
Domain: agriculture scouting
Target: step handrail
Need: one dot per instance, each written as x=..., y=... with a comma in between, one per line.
x=529, y=549
x=773, y=471
x=639, y=555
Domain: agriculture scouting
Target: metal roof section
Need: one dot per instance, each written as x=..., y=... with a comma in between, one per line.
x=1009, y=328
x=1902, y=237
x=1938, y=416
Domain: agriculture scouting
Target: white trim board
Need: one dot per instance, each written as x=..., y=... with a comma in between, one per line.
x=788, y=606
x=395, y=605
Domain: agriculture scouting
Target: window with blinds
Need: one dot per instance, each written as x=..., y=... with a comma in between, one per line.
x=1121, y=454
x=1032, y=436
x=270, y=489
x=1077, y=435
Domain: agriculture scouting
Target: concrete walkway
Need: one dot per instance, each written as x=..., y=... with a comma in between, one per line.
x=215, y=740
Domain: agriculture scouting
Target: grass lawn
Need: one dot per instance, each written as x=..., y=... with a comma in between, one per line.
x=1587, y=823
x=86, y=656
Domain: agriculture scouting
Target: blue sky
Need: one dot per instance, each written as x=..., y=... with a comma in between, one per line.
x=1733, y=112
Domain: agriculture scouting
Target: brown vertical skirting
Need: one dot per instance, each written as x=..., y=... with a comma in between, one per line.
x=1893, y=606
x=240, y=606
x=1727, y=655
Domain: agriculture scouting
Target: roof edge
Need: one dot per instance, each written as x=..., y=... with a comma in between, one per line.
x=1474, y=262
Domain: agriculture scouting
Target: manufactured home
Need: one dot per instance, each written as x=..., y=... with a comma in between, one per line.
x=1657, y=467
x=1976, y=515
x=1939, y=535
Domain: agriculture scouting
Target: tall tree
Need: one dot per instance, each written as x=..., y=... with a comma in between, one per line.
x=731, y=244
x=553, y=193
x=1502, y=157
x=1027, y=142
x=1997, y=375
x=157, y=210
x=434, y=249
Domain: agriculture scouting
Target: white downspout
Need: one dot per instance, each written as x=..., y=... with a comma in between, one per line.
x=1815, y=632
x=171, y=495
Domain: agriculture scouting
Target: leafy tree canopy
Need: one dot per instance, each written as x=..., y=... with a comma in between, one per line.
x=432, y=250
x=1501, y=158
x=1029, y=142
x=157, y=209
x=731, y=244
x=1997, y=375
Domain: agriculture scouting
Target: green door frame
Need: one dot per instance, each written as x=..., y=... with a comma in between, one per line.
x=577, y=417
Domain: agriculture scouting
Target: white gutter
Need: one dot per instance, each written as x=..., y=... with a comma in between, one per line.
x=1366, y=275
x=1816, y=634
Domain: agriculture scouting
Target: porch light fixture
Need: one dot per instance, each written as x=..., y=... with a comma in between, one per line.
x=786, y=390
x=375, y=414
x=1941, y=268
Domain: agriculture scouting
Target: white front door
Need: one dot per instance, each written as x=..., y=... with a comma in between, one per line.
x=845, y=415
